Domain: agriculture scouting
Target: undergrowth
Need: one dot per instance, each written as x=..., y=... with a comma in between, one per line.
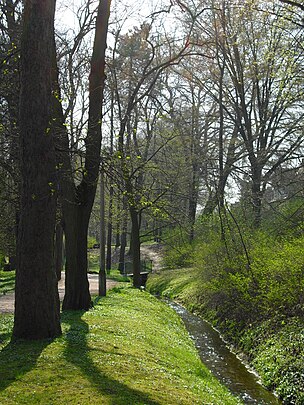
x=249, y=283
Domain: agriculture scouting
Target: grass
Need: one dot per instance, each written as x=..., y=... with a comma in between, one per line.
x=181, y=285
x=114, y=273
x=93, y=264
x=93, y=261
x=130, y=349
x=7, y=281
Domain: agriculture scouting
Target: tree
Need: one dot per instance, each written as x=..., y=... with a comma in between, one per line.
x=258, y=56
x=136, y=70
x=263, y=61
x=37, y=300
x=78, y=195
x=10, y=28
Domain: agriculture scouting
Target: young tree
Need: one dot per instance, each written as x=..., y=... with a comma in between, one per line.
x=37, y=300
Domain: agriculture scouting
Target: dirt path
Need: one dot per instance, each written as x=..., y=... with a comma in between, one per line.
x=7, y=301
x=152, y=252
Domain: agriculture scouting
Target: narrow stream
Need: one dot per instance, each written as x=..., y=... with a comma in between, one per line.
x=224, y=364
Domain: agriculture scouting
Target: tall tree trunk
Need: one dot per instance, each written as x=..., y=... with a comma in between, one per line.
x=257, y=195
x=122, y=250
x=77, y=294
x=110, y=231
x=12, y=94
x=117, y=237
x=77, y=201
x=193, y=197
x=123, y=237
x=58, y=250
x=37, y=300
x=102, y=287
x=111, y=193
x=135, y=247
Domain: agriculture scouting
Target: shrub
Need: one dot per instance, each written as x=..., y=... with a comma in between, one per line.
x=178, y=251
x=245, y=288
x=91, y=242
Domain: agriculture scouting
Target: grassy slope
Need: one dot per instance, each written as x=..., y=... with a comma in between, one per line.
x=130, y=349
x=275, y=347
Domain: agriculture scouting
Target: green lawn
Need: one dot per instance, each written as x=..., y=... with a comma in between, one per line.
x=131, y=349
x=7, y=281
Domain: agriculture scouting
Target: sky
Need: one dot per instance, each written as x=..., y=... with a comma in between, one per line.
x=128, y=12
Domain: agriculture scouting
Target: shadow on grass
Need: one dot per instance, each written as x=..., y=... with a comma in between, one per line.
x=18, y=358
x=77, y=353
x=7, y=284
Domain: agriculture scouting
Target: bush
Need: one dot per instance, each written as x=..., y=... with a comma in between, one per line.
x=2, y=261
x=178, y=251
x=278, y=357
x=180, y=256
x=279, y=268
x=248, y=278
x=91, y=242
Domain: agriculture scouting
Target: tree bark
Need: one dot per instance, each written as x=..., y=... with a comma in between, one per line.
x=77, y=293
x=257, y=195
x=58, y=250
x=123, y=237
x=193, y=197
x=110, y=231
x=37, y=300
x=102, y=285
x=135, y=247
x=77, y=200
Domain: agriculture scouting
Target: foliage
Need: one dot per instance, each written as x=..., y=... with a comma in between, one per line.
x=284, y=218
x=278, y=355
x=2, y=260
x=93, y=261
x=91, y=242
x=250, y=284
x=94, y=267
x=178, y=251
x=112, y=354
x=117, y=276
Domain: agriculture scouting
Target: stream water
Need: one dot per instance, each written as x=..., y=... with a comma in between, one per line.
x=223, y=363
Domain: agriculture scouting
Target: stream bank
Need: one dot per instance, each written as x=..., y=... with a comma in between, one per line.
x=222, y=362
x=274, y=347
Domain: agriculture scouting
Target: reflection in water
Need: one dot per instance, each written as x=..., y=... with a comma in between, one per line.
x=222, y=362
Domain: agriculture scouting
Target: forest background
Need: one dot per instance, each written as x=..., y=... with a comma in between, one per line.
x=199, y=146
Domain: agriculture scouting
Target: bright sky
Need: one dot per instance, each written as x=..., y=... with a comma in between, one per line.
x=127, y=12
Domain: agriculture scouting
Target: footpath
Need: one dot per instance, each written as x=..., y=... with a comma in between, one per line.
x=152, y=252
x=7, y=301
